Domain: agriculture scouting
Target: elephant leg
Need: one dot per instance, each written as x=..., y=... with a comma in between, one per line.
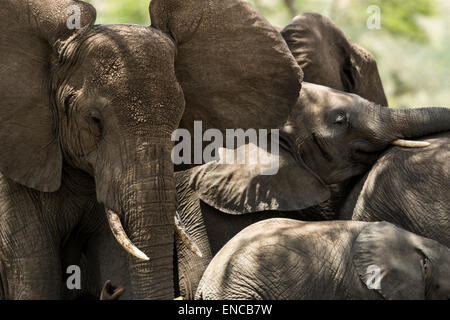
x=30, y=264
x=32, y=278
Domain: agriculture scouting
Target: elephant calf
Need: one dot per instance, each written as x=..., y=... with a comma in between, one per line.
x=290, y=259
x=407, y=187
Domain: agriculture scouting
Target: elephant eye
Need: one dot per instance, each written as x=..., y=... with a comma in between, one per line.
x=68, y=101
x=426, y=267
x=340, y=118
x=96, y=118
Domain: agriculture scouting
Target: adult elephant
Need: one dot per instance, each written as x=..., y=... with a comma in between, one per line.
x=87, y=114
x=284, y=259
x=328, y=58
x=407, y=187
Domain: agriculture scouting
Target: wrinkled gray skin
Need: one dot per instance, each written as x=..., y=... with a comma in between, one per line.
x=328, y=58
x=87, y=116
x=289, y=259
x=407, y=187
x=357, y=72
x=330, y=137
x=214, y=224
x=214, y=92
x=210, y=197
x=77, y=129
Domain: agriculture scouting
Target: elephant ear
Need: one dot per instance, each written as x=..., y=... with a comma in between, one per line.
x=235, y=69
x=328, y=58
x=388, y=259
x=30, y=152
x=272, y=182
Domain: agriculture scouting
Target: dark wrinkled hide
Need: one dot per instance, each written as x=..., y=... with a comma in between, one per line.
x=408, y=187
x=288, y=259
x=218, y=200
x=229, y=60
x=87, y=116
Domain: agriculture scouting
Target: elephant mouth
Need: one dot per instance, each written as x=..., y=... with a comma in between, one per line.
x=363, y=152
x=325, y=154
x=365, y=157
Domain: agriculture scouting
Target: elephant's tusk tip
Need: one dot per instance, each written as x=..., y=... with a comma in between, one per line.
x=186, y=237
x=121, y=236
x=410, y=143
x=139, y=254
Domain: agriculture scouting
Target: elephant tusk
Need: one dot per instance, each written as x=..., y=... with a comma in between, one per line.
x=410, y=144
x=121, y=236
x=185, y=236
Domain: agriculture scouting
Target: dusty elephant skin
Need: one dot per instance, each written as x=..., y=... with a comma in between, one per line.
x=214, y=39
x=88, y=118
x=289, y=259
x=407, y=187
x=330, y=137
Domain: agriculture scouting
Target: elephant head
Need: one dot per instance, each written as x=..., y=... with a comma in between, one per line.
x=328, y=58
x=105, y=99
x=329, y=137
x=400, y=264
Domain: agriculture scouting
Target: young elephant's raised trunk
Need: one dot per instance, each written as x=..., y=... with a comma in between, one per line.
x=416, y=123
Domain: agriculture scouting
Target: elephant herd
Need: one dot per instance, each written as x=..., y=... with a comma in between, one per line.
x=358, y=209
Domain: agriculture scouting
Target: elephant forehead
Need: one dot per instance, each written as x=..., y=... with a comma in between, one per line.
x=124, y=52
x=318, y=99
x=132, y=68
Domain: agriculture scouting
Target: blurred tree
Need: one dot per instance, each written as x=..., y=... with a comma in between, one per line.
x=414, y=40
x=401, y=18
x=290, y=4
x=122, y=11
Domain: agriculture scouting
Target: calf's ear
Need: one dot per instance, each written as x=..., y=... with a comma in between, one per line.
x=389, y=261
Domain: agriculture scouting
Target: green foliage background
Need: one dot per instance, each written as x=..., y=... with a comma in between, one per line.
x=412, y=47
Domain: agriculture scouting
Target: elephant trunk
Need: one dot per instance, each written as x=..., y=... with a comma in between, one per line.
x=148, y=210
x=415, y=123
